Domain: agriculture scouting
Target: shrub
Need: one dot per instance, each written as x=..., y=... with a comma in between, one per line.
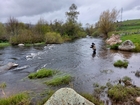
x=137, y=48
x=27, y=37
x=59, y=80
x=120, y=63
x=52, y=37
x=42, y=73
x=117, y=93
x=95, y=33
x=114, y=47
x=66, y=38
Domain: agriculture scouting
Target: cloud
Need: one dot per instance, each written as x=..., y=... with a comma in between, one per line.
x=32, y=10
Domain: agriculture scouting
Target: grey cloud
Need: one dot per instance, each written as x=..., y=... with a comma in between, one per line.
x=31, y=7
x=90, y=10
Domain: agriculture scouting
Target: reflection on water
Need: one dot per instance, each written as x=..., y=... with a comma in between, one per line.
x=75, y=58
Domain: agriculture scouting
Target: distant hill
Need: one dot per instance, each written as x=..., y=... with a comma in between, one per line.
x=129, y=24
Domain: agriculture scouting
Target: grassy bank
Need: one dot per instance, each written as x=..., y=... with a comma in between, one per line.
x=135, y=38
x=128, y=30
x=4, y=44
x=17, y=99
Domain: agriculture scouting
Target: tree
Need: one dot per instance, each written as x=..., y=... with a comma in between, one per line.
x=72, y=14
x=41, y=27
x=107, y=21
x=3, y=36
x=71, y=25
x=89, y=29
x=57, y=26
x=12, y=26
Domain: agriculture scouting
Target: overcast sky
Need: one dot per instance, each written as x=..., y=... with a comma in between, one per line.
x=30, y=11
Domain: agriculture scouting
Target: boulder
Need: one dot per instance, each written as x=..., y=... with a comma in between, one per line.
x=127, y=46
x=114, y=39
x=67, y=96
x=20, y=45
x=138, y=100
x=8, y=66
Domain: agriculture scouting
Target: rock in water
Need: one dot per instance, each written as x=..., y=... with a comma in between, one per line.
x=127, y=45
x=8, y=66
x=67, y=96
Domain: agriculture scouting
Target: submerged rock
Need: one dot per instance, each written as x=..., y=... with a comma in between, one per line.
x=137, y=74
x=67, y=96
x=8, y=66
x=127, y=45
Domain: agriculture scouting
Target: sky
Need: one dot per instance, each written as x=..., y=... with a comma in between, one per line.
x=30, y=11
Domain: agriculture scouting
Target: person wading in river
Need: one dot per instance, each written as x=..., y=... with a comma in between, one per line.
x=94, y=48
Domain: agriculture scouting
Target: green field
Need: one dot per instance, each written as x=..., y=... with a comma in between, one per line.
x=135, y=38
x=129, y=25
x=129, y=30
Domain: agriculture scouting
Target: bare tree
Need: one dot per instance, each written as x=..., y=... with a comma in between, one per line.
x=107, y=21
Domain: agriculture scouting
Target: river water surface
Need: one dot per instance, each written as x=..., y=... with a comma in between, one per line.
x=74, y=58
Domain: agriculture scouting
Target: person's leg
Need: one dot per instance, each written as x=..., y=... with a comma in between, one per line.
x=94, y=52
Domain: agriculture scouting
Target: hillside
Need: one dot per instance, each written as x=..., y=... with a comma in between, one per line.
x=128, y=27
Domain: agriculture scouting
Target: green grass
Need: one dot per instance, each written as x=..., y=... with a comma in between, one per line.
x=4, y=44
x=122, y=93
x=131, y=22
x=120, y=63
x=92, y=99
x=42, y=73
x=135, y=38
x=61, y=80
x=47, y=95
x=127, y=27
x=18, y=99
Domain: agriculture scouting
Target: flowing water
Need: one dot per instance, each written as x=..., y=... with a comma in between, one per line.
x=74, y=58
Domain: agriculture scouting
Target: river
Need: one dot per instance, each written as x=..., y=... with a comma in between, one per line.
x=74, y=58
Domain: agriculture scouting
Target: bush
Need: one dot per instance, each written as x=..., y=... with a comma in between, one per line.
x=117, y=93
x=114, y=47
x=42, y=73
x=137, y=48
x=27, y=37
x=52, y=37
x=120, y=63
x=96, y=33
x=66, y=38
